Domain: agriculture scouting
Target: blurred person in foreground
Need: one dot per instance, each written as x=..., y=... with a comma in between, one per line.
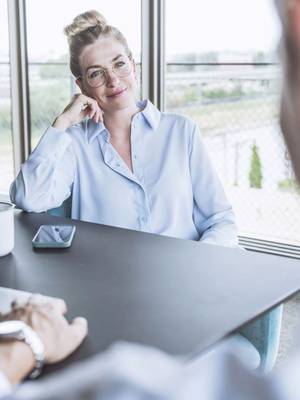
x=128, y=371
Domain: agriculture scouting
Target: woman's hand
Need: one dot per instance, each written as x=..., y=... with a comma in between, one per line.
x=80, y=107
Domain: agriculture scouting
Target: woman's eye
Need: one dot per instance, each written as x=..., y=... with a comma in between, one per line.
x=96, y=73
x=119, y=64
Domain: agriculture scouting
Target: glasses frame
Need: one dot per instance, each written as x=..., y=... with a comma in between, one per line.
x=106, y=71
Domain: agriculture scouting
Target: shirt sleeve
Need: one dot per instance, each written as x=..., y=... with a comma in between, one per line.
x=45, y=179
x=213, y=215
x=124, y=371
x=5, y=386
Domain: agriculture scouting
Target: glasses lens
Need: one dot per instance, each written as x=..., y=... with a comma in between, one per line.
x=122, y=68
x=96, y=77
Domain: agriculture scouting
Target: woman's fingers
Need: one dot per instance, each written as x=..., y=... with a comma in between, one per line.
x=96, y=112
x=91, y=108
x=98, y=116
x=83, y=106
x=100, y=119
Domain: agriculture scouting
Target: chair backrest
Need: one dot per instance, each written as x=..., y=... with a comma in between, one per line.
x=64, y=210
x=264, y=334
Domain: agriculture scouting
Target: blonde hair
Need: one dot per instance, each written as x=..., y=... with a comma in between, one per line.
x=85, y=29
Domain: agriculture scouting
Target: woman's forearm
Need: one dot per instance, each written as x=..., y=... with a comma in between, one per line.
x=45, y=179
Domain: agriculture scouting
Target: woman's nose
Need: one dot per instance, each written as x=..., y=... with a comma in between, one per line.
x=111, y=78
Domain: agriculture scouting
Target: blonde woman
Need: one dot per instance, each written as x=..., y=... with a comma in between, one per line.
x=124, y=162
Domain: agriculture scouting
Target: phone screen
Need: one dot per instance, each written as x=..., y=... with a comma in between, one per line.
x=54, y=236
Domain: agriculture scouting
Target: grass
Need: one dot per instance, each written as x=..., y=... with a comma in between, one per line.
x=246, y=113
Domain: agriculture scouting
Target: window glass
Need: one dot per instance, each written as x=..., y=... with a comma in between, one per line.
x=6, y=149
x=222, y=71
x=50, y=81
x=235, y=30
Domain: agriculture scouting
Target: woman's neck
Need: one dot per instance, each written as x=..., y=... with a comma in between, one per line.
x=118, y=122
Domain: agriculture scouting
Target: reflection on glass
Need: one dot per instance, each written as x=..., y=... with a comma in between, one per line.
x=54, y=234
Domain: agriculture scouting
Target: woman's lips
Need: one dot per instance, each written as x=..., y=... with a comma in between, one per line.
x=117, y=93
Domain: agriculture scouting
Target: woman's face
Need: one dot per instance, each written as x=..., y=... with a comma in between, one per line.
x=116, y=93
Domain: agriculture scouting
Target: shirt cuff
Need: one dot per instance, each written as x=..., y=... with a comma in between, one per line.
x=222, y=235
x=53, y=144
x=5, y=386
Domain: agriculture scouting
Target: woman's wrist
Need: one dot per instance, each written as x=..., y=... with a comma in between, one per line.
x=16, y=360
x=61, y=123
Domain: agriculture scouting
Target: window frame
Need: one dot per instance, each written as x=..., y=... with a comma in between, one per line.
x=153, y=68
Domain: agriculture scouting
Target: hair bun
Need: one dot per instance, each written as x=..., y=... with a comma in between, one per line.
x=84, y=21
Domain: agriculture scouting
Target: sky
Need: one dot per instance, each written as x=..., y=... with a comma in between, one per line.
x=220, y=25
x=191, y=25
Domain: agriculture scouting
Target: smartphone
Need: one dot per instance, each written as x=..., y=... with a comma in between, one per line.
x=54, y=236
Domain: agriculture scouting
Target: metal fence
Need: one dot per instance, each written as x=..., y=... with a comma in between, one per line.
x=236, y=108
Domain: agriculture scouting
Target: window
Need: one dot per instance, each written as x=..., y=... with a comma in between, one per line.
x=50, y=81
x=6, y=148
x=222, y=71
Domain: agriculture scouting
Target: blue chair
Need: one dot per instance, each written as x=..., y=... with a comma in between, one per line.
x=262, y=334
x=64, y=210
x=254, y=344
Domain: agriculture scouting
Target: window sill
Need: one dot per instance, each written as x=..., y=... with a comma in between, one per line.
x=269, y=247
x=4, y=197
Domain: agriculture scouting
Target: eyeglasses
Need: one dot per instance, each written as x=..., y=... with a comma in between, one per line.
x=96, y=77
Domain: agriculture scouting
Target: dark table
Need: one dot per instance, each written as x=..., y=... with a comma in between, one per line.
x=180, y=296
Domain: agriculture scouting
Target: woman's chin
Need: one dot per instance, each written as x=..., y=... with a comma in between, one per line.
x=118, y=104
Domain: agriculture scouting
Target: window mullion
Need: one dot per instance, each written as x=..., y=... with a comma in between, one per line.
x=153, y=51
x=19, y=81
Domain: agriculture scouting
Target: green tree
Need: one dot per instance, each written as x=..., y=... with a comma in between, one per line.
x=255, y=174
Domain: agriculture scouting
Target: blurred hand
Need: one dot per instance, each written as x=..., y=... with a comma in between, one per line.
x=79, y=108
x=47, y=319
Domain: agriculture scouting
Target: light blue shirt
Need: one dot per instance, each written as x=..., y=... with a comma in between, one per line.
x=173, y=189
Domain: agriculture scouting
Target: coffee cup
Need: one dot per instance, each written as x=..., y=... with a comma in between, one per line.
x=6, y=227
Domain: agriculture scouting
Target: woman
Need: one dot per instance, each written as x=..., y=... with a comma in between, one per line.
x=125, y=163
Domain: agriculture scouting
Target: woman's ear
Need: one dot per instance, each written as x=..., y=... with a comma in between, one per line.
x=79, y=83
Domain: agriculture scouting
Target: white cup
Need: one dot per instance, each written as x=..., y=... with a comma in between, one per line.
x=6, y=227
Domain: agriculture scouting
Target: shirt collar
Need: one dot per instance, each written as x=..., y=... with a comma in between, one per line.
x=94, y=129
x=150, y=113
